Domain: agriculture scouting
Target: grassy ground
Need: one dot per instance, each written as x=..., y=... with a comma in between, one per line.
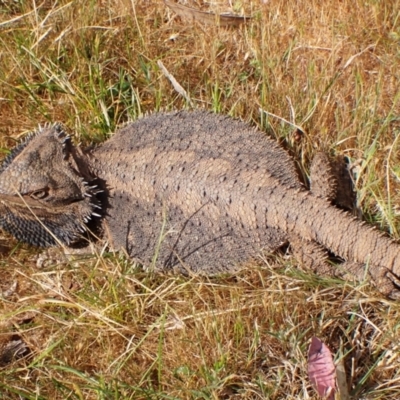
x=101, y=328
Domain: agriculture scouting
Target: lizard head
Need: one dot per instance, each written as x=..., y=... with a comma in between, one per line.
x=45, y=196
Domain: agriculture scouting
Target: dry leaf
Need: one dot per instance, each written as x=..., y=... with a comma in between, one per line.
x=321, y=369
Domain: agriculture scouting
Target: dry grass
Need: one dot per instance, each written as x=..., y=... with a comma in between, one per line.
x=101, y=328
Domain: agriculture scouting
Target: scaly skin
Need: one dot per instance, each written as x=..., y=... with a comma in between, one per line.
x=189, y=191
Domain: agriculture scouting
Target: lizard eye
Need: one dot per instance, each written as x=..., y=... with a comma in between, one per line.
x=40, y=194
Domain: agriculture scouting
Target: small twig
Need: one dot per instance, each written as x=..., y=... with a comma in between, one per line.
x=292, y=112
x=175, y=83
x=306, y=47
x=210, y=18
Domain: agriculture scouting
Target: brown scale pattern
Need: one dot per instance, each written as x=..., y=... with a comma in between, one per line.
x=191, y=191
x=223, y=192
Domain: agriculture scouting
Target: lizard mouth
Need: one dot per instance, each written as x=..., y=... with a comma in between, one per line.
x=44, y=224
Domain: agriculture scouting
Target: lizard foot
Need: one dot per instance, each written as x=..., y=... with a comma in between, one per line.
x=314, y=256
x=388, y=284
